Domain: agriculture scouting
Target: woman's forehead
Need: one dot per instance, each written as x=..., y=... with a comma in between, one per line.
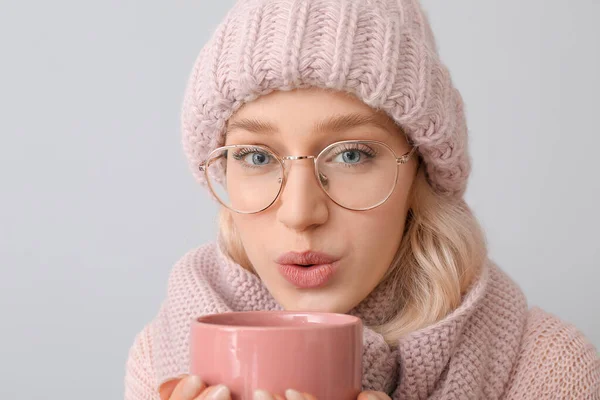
x=302, y=99
x=315, y=110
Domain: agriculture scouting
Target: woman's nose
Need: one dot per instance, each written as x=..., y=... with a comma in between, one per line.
x=302, y=204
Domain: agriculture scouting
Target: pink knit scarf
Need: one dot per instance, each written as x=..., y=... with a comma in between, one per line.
x=468, y=354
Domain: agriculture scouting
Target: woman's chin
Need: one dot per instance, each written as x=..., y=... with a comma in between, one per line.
x=315, y=304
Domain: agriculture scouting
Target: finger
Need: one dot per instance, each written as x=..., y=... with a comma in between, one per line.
x=218, y=392
x=166, y=389
x=188, y=388
x=280, y=397
x=372, y=395
x=262, y=395
x=309, y=396
x=292, y=394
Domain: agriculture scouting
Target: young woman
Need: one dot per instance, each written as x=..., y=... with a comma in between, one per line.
x=332, y=136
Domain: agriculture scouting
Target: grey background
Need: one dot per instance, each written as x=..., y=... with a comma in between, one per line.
x=97, y=202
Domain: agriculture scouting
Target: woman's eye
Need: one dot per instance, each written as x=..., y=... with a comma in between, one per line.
x=256, y=158
x=349, y=157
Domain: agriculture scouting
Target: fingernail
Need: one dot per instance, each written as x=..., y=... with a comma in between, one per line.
x=262, y=395
x=291, y=394
x=220, y=392
x=191, y=386
x=371, y=396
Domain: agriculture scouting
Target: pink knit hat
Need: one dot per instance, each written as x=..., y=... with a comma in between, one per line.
x=382, y=51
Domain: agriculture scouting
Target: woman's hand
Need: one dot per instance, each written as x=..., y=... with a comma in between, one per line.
x=192, y=388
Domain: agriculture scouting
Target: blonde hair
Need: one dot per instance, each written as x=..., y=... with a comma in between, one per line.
x=441, y=252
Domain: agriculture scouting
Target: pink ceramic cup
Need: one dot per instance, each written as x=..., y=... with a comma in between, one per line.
x=312, y=352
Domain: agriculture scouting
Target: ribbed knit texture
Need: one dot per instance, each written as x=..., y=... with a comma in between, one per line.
x=490, y=347
x=382, y=51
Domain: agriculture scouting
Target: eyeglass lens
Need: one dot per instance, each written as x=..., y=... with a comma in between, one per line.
x=356, y=175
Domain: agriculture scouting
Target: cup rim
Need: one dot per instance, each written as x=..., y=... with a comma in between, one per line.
x=346, y=321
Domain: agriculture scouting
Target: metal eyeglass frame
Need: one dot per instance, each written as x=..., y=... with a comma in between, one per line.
x=403, y=159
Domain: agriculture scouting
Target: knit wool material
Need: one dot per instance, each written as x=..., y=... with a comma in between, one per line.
x=490, y=347
x=381, y=51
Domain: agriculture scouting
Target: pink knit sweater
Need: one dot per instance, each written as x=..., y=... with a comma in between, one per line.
x=491, y=347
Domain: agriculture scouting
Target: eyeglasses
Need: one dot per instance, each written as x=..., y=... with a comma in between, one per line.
x=356, y=174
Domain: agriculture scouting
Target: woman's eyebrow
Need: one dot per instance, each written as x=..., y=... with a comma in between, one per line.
x=336, y=123
x=251, y=125
x=340, y=123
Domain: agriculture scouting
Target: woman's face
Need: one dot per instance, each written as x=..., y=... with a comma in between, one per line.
x=304, y=218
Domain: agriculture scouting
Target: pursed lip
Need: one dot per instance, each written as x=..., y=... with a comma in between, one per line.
x=305, y=258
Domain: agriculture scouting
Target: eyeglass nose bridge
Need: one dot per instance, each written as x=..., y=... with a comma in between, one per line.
x=298, y=157
x=291, y=158
x=324, y=180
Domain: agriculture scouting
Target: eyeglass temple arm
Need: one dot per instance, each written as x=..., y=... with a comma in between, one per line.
x=404, y=158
